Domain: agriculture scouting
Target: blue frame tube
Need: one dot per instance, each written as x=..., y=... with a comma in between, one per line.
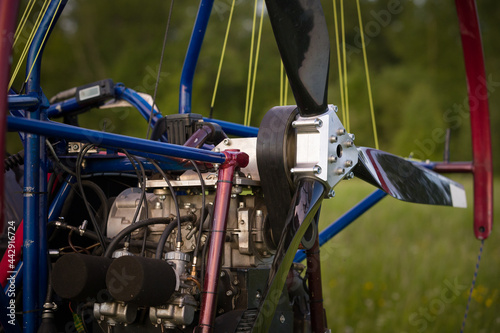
x=138, y=102
x=58, y=202
x=342, y=222
x=23, y=102
x=54, y=129
x=235, y=129
x=193, y=51
x=35, y=175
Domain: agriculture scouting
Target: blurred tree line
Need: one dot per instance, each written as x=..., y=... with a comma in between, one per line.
x=414, y=55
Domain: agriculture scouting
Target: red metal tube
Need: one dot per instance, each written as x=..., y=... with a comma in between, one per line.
x=479, y=117
x=318, y=323
x=234, y=159
x=453, y=167
x=8, y=16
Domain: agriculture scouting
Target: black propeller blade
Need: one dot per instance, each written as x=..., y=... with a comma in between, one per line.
x=302, y=37
x=406, y=181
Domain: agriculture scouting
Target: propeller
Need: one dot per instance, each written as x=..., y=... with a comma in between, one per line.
x=301, y=33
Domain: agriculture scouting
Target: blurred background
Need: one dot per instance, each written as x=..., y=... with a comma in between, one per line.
x=388, y=272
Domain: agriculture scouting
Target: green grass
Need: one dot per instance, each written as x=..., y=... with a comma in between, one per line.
x=394, y=269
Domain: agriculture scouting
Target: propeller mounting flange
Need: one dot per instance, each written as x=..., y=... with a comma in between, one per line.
x=324, y=149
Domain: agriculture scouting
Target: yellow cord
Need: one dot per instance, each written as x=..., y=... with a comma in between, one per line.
x=372, y=112
x=43, y=41
x=254, y=78
x=282, y=69
x=222, y=54
x=250, y=62
x=346, y=100
x=43, y=10
x=339, y=60
x=24, y=18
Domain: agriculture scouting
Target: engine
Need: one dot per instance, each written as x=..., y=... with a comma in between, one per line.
x=152, y=274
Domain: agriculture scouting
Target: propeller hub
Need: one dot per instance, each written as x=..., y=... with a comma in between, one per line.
x=324, y=149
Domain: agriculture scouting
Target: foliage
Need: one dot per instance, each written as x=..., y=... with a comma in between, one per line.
x=407, y=268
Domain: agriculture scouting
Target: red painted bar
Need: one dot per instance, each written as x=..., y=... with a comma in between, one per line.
x=479, y=117
x=8, y=16
x=453, y=167
x=318, y=323
x=234, y=159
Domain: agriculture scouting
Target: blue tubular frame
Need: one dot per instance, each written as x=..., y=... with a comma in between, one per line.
x=58, y=130
x=235, y=129
x=35, y=181
x=197, y=36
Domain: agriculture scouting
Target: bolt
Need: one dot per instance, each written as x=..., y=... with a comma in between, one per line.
x=352, y=136
x=258, y=295
x=333, y=139
x=229, y=293
x=75, y=147
x=222, y=274
x=227, y=141
x=348, y=163
x=249, y=176
x=335, y=108
x=258, y=212
x=349, y=144
x=242, y=222
x=332, y=159
x=282, y=319
x=158, y=205
x=350, y=175
x=339, y=171
x=189, y=227
x=233, y=195
x=341, y=131
x=331, y=193
x=317, y=169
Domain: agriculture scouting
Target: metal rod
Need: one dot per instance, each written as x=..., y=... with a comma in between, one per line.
x=23, y=102
x=217, y=238
x=193, y=51
x=479, y=116
x=8, y=16
x=318, y=322
x=235, y=129
x=35, y=177
x=68, y=132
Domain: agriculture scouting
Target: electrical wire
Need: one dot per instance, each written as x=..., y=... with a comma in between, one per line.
x=79, y=161
x=367, y=73
x=159, y=68
x=339, y=61
x=142, y=177
x=249, y=81
x=202, y=214
x=139, y=224
x=254, y=76
x=222, y=57
x=174, y=198
x=163, y=239
x=344, y=60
